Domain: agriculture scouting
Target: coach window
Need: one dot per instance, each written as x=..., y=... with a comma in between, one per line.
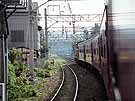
x=94, y=51
x=87, y=50
x=90, y=49
x=104, y=52
x=97, y=50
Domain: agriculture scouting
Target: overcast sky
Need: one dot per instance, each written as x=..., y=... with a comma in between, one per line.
x=77, y=7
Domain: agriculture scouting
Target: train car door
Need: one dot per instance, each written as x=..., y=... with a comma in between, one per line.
x=99, y=46
x=77, y=51
x=84, y=52
x=92, y=57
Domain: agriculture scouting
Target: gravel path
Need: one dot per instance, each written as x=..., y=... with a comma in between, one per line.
x=90, y=89
x=52, y=84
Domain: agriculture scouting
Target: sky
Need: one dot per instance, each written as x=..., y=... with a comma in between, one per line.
x=123, y=14
x=77, y=7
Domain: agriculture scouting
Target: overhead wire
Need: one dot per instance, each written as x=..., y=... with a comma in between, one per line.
x=102, y=17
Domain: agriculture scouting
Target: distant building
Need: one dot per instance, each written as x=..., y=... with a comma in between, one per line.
x=19, y=29
x=60, y=44
x=19, y=36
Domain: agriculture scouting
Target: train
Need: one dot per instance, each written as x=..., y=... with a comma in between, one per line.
x=111, y=51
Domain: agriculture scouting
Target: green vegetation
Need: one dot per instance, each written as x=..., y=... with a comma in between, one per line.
x=60, y=61
x=14, y=55
x=19, y=86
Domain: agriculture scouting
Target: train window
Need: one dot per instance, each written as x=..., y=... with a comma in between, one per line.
x=87, y=50
x=94, y=51
x=97, y=50
x=104, y=51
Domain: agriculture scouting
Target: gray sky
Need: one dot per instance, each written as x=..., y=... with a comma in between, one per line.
x=80, y=6
x=77, y=7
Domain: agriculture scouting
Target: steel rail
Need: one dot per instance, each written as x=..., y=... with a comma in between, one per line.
x=62, y=82
x=61, y=85
x=76, y=93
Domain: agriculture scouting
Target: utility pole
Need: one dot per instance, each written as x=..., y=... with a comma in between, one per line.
x=73, y=24
x=31, y=58
x=46, y=34
x=31, y=46
x=4, y=57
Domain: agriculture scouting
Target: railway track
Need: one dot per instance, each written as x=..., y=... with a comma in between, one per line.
x=90, y=87
x=68, y=88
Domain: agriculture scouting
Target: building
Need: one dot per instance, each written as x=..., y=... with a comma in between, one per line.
x=19, y=36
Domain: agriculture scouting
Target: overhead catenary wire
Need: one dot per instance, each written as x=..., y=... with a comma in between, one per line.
x=102, y=17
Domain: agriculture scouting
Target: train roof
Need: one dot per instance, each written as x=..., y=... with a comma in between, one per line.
x=93, y=38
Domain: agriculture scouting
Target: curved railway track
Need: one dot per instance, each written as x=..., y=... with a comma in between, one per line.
x=91, y=86
x=68, y=88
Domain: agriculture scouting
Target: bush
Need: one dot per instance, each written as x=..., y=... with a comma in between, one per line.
x=11, y=74
x=18, y=86
x=14, y=55
x=40, y=74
